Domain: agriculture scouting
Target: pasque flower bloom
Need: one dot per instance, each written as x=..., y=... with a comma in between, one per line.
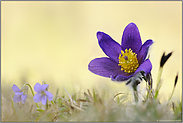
x=125, y=60
x=20, y=95
x=42, y=93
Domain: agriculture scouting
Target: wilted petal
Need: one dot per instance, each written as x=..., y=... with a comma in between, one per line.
x=24, y=97
x=15, y=88
x=43, y=99
x=105, y=67
x=131, y=38
x=146, y=66
x=110, y=47
x=49, y=95
x=37, y=97
x=120, y=78
x=18, y=93
x=37, y=87
x=144, y=50
x=44, y=87
x=17, y=98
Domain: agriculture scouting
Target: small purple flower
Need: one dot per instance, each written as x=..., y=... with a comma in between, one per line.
x=125, y=60
x=42, y=93
x=20, y=95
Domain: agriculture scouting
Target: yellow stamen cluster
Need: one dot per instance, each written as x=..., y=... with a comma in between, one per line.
x=128, y=61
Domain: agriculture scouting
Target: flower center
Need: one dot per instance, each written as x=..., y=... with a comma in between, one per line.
x=128, y=61
x=43, y=93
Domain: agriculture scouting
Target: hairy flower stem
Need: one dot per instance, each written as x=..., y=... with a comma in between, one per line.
x=150, y=94
x=135, y=84
x=159, y=83
x=135, y=95
x=26, y=84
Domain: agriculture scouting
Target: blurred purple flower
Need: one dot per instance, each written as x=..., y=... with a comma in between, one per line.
x=125, y=60
x=20, y=96
x=42, y=93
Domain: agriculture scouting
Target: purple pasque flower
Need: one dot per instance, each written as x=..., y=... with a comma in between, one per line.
x=125, y=60
x=42, y=93
x=20, y=95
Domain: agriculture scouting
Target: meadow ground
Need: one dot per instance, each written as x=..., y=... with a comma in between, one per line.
x=95, y=106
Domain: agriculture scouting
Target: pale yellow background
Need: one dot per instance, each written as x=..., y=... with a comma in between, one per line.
x=55, y=41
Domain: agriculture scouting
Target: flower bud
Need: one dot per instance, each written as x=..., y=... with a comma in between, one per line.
x=164, y=58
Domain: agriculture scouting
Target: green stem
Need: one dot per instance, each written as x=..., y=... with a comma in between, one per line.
x=158, y=82
x=47, y=104
x=56, y=95
x=171, y=94
x=31, y=91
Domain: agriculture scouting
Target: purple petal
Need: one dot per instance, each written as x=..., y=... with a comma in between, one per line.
x=105, y=67
x=44, y=99
x=23, y=97
x=131, y=38
x=15, y=88
x=49, y=95
x=37, y=97
x=44, y=87
x=144, y=50
x=18, y=93
x=146, y=66
x=38, y=87
x=110, y=47
x=17, y=98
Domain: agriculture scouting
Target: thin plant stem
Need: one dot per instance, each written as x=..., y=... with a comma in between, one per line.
x=176, y=78
x=31, y=91
x=47, y=104
x=56, y=95
x=171, y=94
x=158, y=82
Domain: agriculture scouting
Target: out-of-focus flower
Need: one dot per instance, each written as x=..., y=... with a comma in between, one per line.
x=20, y=95
x=42, y=93
x=125, y=60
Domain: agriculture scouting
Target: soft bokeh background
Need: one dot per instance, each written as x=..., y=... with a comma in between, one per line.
x=55, y=41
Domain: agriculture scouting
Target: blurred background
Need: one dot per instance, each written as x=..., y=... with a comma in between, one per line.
x=55, y=41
